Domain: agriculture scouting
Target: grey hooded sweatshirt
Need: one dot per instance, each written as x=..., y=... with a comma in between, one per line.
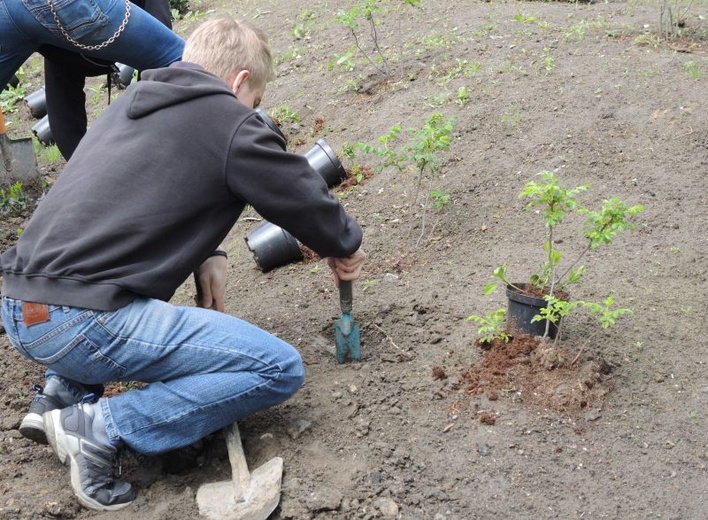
x=155, y=186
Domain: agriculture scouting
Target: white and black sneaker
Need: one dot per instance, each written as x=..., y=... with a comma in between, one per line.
x=32, y=425
x=92, y=461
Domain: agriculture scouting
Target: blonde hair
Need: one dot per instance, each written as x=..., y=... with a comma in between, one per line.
x=224, y=46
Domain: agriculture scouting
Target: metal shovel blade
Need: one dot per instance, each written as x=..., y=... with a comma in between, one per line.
x=346, y=331
x=346, y=336
x=17, y=159
x=249, y=495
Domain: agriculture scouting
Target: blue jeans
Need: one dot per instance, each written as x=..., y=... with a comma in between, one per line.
x=206, y=369
x=25, y=25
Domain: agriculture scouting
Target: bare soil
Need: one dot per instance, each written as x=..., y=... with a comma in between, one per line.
x=612, y=424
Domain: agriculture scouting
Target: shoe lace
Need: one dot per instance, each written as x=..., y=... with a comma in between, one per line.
x=101, y=474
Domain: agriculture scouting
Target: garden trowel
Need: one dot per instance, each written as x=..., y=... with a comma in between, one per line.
x=346, y=331
x=17, y=160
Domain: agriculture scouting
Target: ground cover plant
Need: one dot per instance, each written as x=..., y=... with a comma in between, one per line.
x=429, y=425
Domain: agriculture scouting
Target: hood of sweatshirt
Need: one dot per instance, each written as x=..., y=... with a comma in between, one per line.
x=181, y=82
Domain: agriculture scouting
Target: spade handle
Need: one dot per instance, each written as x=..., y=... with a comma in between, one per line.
x=239, y=468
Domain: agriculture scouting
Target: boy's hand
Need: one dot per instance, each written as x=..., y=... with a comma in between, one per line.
x=348, y=268
x=212, y=279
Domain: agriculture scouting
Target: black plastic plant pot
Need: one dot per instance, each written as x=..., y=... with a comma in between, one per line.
x=124, y=75
x=521, y=310
x=272, y=246
x=43, y=132
x=271, y=124
x=37, y=103
x=326, y=163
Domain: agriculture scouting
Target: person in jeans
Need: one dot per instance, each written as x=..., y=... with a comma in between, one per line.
x=153, y=188
x=65, y=74
x=111, y=30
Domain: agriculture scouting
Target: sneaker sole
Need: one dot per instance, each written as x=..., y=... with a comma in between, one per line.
x=59, y=442
x=32, y=428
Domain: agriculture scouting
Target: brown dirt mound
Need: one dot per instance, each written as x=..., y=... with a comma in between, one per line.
x=538, y=373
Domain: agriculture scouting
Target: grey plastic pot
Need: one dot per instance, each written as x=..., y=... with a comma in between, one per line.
x=272, y=246
x=37, y=103
x=521, y=310
x=326, y=163
x=43, y=132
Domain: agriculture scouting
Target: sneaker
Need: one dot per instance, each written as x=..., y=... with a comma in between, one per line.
x=70, y=433
x=32, y=426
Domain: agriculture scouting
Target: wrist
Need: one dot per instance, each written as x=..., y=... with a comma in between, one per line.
x=219, y=252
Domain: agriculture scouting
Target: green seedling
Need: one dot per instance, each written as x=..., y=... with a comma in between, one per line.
x=548, y=62
x=366, y=284
x=512, y=118
x=284, y=113
x=462, y=95
x=524, y=18
x=343, y=61
x=691, y=68
x=11, y=96
x=491, y=326
x=292, y=54
x=440, y=199
x=13, y=201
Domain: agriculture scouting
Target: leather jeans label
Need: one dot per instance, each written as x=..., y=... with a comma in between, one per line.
x=33, y=313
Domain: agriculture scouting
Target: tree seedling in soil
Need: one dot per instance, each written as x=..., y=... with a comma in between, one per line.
x=551, y=282
x=421, y=154
x=366, y=12
x=423, y=151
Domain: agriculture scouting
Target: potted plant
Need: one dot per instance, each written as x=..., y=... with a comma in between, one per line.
x=538, y=305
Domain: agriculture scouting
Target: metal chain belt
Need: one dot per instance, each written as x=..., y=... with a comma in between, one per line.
x=100, y=46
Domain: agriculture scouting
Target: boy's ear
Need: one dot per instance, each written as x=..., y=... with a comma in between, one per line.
x=238, y=79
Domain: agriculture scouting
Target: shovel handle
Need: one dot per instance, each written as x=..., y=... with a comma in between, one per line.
x=345, y=296
x=240, y=475
x=2, y=123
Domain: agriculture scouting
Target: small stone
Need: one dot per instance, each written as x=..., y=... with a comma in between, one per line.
x=592, y=415
x=484, y=450
x=324, y=499
x=387, y=507
x=298, y=428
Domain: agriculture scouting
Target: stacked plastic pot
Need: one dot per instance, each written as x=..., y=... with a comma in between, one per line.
x=271, y=245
